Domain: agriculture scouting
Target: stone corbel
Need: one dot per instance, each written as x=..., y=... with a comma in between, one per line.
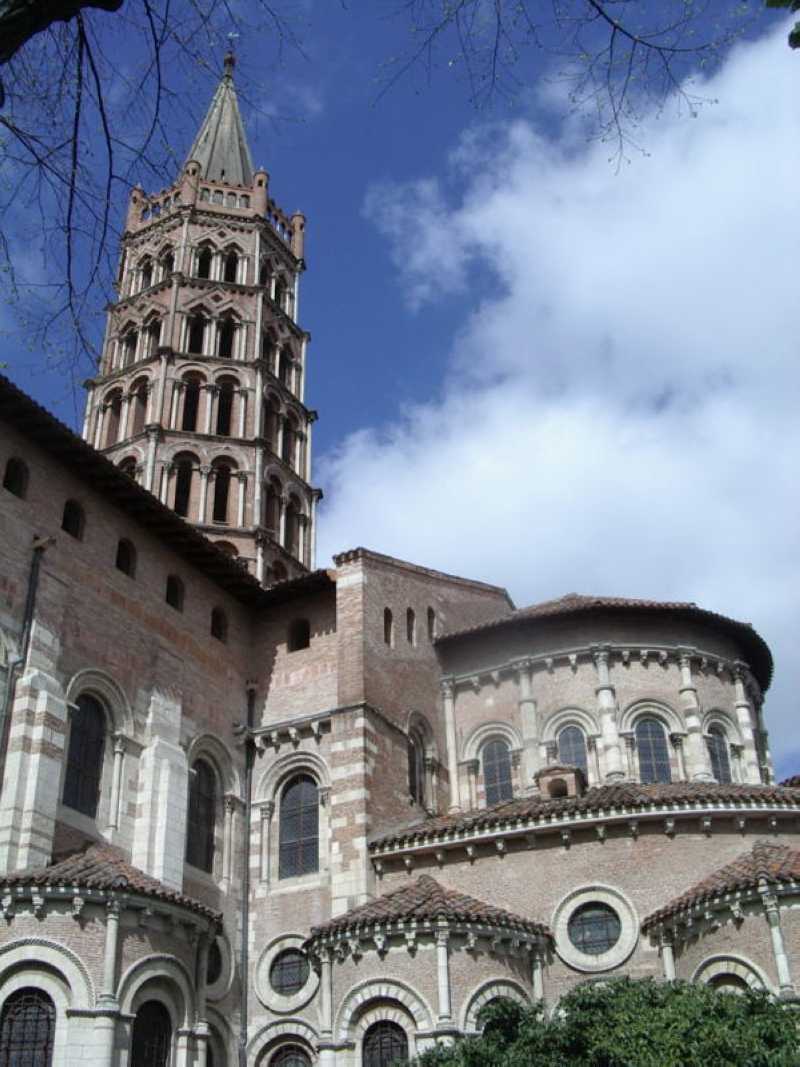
x=324, y=794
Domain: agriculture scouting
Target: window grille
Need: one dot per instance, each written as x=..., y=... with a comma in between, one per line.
x=27, y=1027
x=594, y=928
x=152, y=1036
x=201, y=817
x=289, y=973
x=718, y=753
x=299, y=828
x=651, y=748
x=87, y=738
x=497, y=772
x=385, y=1044
x=572, y=748
x=290, y=1056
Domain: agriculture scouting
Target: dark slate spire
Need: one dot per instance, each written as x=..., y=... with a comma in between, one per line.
x=221, y=145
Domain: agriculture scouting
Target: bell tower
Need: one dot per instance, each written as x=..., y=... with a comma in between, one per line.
x=199, y=394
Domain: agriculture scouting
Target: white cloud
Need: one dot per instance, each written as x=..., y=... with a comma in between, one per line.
x=620, y=416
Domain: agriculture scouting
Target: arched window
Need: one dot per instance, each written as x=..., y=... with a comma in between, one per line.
x=174, y=592
x=15, y=479
x=292, y=526
x=191, y=403
x=217, y=196
x=222, y=486
x=184, y=473
x=290, y=1056
x=201, y=817
x=219, y=624
x=126, y=558
x=652, y=750
x=138, y=401
x=72, y=520
x=298, y=850
x=299, y=635
x=497, y=772
x=167, y=263
x=87, y=738
x=274, y=496
x=719, y=755
x=204, y=260
x=388, y=627
x=205, y=194
x=225, y=407
x=197, y=333
x=129, y=348
x=385, y=1045
x=146, y=272
x=280, y=292
x=225, y=335
x=231, y=267
x=113, y=415
x=288, y=442
x=152, y=337
x=285, y=367
x=151, y=1041
x=230, y=200
x=572, y=748
x=416, y=767
x=431, y=624
x=272, y=418
x=27, y=1028
x=411, y=626
x=264, y=273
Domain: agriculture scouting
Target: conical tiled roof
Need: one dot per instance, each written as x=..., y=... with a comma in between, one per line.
x=425, y=899
x=102, y=867
x=221, y=145
x=768, y=862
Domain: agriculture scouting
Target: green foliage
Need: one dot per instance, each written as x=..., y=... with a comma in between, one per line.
x=628, y=1023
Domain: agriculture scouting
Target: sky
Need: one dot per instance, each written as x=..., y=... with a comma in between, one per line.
x=534, y=364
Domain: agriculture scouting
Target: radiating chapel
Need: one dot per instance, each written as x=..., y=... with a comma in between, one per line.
x=255, y=811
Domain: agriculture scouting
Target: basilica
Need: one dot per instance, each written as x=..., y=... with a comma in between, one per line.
x=256, y=811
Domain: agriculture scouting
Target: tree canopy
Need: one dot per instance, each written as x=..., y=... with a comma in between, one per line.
x=633, y=1023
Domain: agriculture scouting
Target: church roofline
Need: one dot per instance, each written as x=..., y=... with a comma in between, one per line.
x=353, y=555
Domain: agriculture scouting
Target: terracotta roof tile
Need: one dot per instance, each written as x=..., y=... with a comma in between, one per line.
x=756, y=648
x=768, y=861
x=627, y=795
x=425, y=899
x=102, y=867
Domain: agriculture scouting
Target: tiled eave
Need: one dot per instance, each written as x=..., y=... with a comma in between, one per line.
x=185, y=912
x=601, y=821
x=376, y=936
x=714, y=909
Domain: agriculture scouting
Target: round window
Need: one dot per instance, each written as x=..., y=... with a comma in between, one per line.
x=594, y=928
x=214, y=966
x=289, y=972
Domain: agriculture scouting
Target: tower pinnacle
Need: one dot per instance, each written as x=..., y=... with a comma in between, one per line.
x=221, y=146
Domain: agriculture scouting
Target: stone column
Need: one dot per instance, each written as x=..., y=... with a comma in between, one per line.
x=282, y=520
x=89, y=411
x=205, y=472
x=326, y=992
x=537, y=973
x=260, y=559
x=241, y=477
x=177, y=389
x=449, y=702
x=607, y=713
x=167, y=471
x=211, y=393
x=772, y=912
x=530, y=726
x=150, y=464
x=472, y=767
x=668, y=956
x=242, y=411
x=203, y=946
x=230, y=803
x=182, y=1057
x=116, y=782
x=98, y=432
x=110, y=952
x=746, y=720
x=698, y=766
x=258, y=488
x=267, y=811
x=161, y=393
x=676, y=740
x=443, y=972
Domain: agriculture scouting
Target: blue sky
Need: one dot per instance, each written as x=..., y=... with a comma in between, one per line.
x=531, y=366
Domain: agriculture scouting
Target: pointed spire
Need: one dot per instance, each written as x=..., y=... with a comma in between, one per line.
x=221, y=145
